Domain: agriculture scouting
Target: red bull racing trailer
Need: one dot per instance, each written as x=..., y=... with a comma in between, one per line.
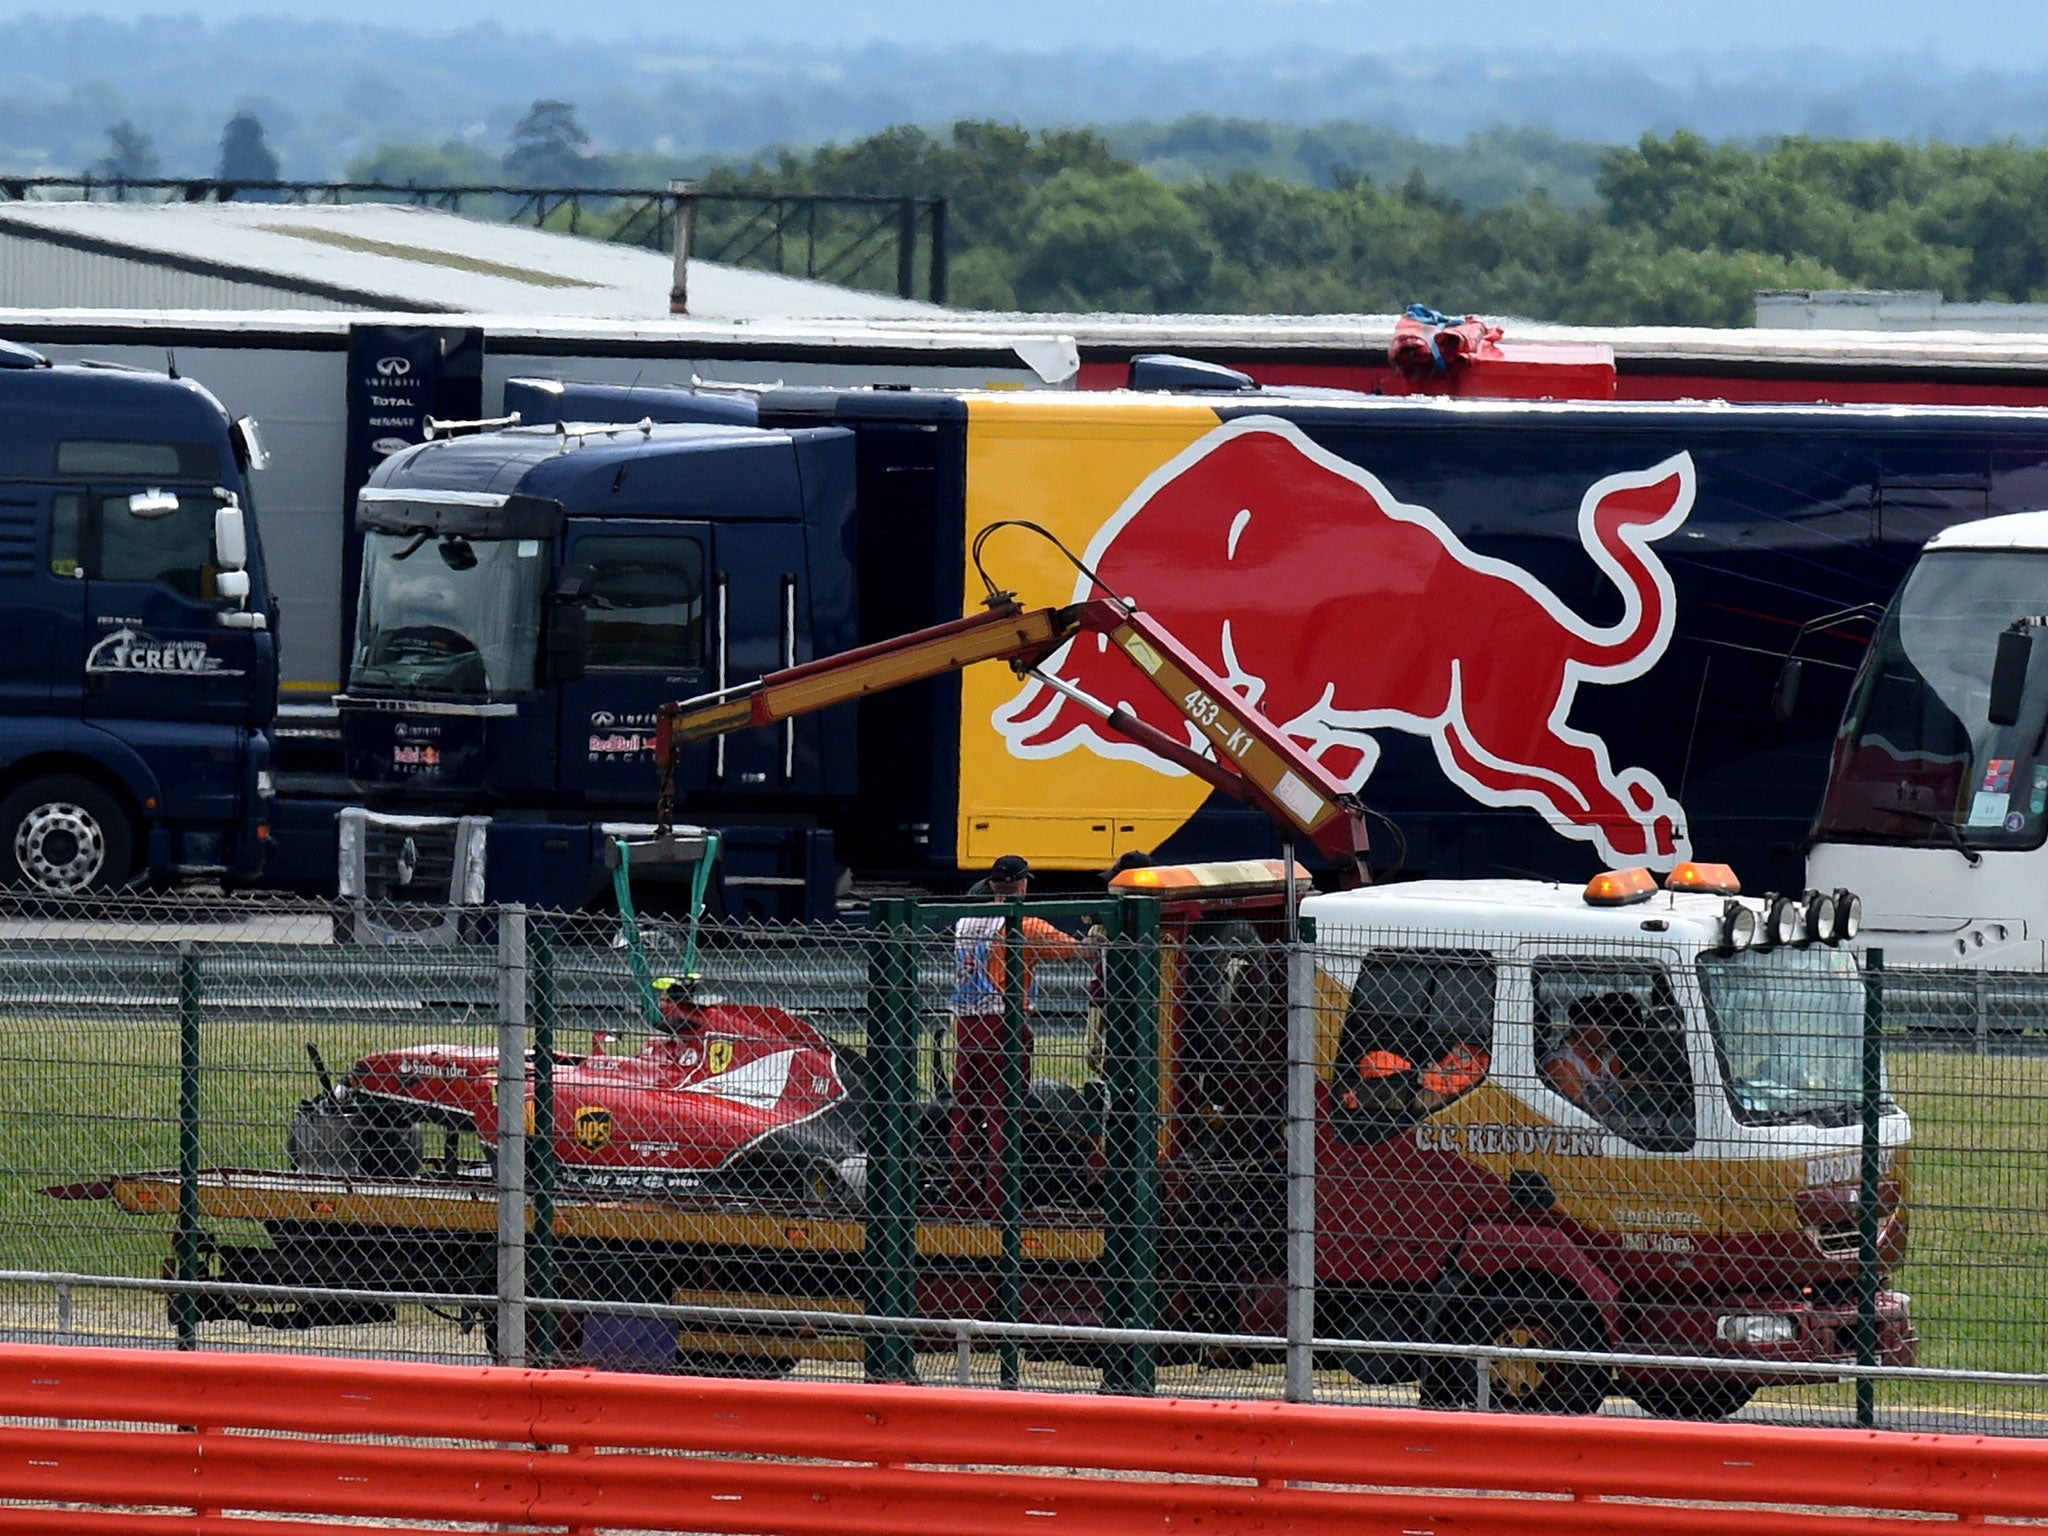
x=1537, y=636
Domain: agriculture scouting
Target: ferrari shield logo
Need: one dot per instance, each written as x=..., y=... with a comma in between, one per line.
x=593, y=1125
x=719, y=1058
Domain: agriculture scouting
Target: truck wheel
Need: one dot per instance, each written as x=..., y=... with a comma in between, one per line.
x=63, y=836
x=1706, y=1397
x=1519, y=1386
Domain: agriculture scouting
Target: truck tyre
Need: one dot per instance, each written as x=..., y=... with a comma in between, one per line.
x=64, y=836
x=1706, y=1397
x=1519, y=1386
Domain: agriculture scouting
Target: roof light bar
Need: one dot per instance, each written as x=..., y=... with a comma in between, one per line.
x=1713, y=879
x=1620, y=888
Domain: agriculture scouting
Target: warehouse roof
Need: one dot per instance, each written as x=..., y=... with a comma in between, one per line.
x=373, y=256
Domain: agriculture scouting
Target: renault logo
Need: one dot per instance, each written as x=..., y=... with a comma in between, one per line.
x=408, y=861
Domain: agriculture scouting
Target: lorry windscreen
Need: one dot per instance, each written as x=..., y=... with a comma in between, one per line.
x=1917, y=759
x=448, y=614
x=1789, y=1027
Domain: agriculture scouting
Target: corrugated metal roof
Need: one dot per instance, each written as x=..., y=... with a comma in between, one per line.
x=374, y=256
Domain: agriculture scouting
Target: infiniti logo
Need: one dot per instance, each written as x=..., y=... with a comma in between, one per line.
x=393, y=367
x=408, y=861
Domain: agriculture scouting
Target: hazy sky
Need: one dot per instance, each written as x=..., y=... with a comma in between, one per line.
x=1990, y=33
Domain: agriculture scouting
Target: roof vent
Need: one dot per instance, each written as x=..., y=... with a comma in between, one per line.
x=1162, y=370
x=12, y=356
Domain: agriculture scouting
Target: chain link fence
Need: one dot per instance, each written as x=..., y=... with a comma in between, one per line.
x=1099, y=1144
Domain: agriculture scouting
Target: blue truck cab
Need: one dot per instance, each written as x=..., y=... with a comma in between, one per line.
x=138, y=670
x=529, y=598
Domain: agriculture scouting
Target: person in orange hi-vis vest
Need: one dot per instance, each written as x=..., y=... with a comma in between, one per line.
x=1585, y=1067
x=978, y=1133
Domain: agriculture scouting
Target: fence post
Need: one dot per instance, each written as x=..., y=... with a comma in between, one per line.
x=513, y=981
x=540, y=1267
x=1301, y=1163
x=1871, y=1182
x=906, y=248
x=1130, y=1187
x=185, y=1304
x=892, y=1019
x=939, y=276
x=685, y=195
x=1010, y=1276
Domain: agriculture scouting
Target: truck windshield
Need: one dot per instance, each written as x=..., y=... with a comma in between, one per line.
x=1789, y=1027
x=448, y=614
x=1917, y=761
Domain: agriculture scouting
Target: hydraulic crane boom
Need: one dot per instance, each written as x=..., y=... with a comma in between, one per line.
x=1249, y=759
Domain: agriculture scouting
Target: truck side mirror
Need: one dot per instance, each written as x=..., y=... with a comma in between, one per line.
x=1785, y=696
x=568, y=624
x=230, y=538
x=2009, y=676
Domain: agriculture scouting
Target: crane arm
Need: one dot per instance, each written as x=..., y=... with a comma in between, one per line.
x=1249, y=758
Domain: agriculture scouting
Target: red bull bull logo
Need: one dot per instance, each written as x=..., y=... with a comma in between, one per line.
x=1339, y=611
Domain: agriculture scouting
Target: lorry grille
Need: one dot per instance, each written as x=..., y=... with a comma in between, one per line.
x=410, y=877
x=409, y=864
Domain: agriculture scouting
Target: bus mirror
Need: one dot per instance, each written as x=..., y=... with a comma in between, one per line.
x=230, y=538
x=2009, y=676
x=1785, y=696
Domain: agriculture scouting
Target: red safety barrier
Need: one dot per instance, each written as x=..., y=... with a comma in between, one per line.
x=105, y=1440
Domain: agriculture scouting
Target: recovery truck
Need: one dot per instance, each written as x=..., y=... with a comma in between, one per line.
x=1574, y=610
x=138, y=669
x=743, y=1158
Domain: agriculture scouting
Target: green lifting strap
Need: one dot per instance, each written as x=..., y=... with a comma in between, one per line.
x=629, y=922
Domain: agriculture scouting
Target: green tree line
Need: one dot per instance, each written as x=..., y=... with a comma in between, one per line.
x=1678, y=230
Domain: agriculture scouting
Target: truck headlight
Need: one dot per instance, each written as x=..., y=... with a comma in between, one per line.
x=1821, y=918
x=1751, y=1328
x=1738, y=926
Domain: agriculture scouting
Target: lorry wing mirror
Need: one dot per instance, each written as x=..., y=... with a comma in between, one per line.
x=230, y=537
x=568, y=624
x=2009, y=675
x=1785, y=696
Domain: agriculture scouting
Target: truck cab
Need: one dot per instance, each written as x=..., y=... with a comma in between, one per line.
x=138, y=671
x=1612, y=1117
x=529, y=598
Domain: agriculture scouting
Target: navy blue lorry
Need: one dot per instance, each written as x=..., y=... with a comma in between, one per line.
x=531, y=596
x=138, y=671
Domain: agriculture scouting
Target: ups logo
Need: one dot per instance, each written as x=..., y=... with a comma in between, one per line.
x=593, y=1125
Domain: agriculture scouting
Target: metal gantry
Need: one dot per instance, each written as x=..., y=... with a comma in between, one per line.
x=843, y=237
